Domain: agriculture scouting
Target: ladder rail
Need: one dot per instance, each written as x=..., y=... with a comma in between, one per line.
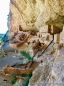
x=45, y=48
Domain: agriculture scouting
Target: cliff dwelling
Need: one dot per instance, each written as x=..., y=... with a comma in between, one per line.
x=36, y=34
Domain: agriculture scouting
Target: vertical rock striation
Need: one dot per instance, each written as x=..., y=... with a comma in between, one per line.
x=33, y=14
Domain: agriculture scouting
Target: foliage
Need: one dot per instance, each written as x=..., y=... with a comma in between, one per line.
x=12, y=79
x=26, y=54
x=24, y=82
x=1, y=36
x=27, y=75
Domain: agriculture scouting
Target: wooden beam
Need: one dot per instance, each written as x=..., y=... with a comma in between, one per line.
x=17, y=71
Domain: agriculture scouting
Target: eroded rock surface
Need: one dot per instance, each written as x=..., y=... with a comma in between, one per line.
x=33, y=14
x=50, y=72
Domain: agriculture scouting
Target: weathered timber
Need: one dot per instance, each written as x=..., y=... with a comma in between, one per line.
x=17, y=71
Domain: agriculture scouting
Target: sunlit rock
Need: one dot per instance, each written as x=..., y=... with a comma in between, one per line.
x=33, y=14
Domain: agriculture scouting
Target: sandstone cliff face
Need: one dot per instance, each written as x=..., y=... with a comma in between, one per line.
x=33, y=14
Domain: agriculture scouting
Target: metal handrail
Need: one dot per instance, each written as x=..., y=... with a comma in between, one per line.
x=45, y=48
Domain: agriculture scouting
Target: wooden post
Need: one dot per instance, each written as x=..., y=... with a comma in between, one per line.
x=58, y=38
x=48, y=37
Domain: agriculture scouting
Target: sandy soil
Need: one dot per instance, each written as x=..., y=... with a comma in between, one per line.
x=3, y=81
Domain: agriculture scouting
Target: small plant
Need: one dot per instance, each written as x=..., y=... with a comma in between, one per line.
x=12, y=79
x=24, y=81
x=27, y=76
x=26, y=54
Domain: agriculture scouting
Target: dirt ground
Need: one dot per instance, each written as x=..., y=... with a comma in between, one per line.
x=9, y=59
x=4, y=81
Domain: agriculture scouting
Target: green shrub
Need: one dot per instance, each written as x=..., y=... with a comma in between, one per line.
x=26, y=54
x=12, y=79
